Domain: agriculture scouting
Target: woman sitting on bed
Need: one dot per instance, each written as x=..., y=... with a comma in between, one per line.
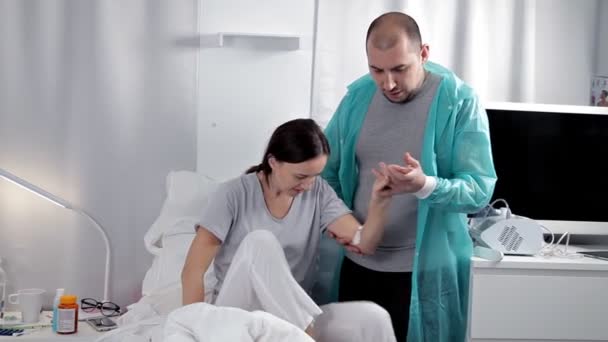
x=262, y=232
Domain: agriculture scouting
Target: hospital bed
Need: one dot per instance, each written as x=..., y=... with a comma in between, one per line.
x=159, y=311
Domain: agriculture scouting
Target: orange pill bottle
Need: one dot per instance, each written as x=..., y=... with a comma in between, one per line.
x=67, y=313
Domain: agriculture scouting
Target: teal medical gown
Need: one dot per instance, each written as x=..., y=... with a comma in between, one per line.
x=456, y=150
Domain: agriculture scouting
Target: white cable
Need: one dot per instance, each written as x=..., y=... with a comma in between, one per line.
x=491, y=205
x=504, y=202
x=553, y=250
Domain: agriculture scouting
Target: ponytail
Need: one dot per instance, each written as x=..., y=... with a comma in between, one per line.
x=264, y=167
x=254, y=169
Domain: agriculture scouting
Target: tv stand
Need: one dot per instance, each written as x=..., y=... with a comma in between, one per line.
x=539, y=299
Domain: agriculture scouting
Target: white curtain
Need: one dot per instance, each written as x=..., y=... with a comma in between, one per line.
x=97, y=104
x=491, y=44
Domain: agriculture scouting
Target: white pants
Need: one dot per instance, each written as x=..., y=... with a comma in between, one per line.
x=259, y=278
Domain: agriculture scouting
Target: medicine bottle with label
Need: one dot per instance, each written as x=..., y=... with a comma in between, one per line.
x=67, y=312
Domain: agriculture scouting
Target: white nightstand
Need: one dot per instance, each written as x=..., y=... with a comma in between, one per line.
x=539, y=299
x=85, y=333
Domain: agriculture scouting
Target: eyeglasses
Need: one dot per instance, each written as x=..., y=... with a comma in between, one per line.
x=107, y=309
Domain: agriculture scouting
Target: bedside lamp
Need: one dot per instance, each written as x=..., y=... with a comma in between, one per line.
x=64, y=204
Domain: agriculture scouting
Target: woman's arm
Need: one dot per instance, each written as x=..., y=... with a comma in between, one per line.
x=345, y=228
x=203, y=249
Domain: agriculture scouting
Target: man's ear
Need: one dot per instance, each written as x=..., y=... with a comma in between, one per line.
x=425, y=52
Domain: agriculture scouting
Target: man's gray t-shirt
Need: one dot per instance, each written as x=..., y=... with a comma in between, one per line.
x=238, y=208
x=390, y=130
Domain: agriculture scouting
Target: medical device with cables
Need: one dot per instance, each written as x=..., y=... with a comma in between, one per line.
x=505, y=232
x=499, y=232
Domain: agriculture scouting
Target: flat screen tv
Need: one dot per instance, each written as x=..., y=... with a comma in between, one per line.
x=552, y=164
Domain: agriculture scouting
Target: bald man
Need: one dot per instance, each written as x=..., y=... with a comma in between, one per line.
x=429, y=128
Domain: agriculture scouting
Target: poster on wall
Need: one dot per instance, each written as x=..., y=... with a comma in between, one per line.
x=599, y=91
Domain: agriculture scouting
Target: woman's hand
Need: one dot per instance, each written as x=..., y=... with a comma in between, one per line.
x=344, y=229
x=382, y=190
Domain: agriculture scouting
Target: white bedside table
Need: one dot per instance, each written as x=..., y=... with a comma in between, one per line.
x=524, y=298
x=85, y=333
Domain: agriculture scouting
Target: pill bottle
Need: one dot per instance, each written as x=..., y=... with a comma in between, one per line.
x=67, y=312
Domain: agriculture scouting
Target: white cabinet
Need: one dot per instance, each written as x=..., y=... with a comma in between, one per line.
x=538, y=299
x=255, y=68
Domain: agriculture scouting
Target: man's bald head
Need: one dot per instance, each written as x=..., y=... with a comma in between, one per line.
x=386, y=31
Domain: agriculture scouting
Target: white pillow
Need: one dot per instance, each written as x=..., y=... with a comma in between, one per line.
x=170, y=236
x=187, y=193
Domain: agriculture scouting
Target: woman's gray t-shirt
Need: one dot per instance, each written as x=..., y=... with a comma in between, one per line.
x=237, y=207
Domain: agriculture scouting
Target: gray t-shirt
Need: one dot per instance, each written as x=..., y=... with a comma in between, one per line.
x=389, y=130
x=238, y=207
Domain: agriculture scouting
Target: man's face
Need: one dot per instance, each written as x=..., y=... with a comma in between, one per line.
x=398, y=71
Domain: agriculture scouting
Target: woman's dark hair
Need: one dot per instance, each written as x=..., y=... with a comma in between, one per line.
x=295, y=141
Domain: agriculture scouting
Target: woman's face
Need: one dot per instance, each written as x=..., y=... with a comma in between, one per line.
x=295, y=178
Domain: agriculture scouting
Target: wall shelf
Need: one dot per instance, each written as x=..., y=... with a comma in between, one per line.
x=251, y=40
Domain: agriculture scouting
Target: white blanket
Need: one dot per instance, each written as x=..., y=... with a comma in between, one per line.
x=202, y=322
x=144, y=320
x=160, y=314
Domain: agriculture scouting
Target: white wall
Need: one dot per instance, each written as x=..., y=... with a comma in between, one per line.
x=244, y=91
x=566, y=50
x=602, y=39
x=97, y=104
x=534, y=51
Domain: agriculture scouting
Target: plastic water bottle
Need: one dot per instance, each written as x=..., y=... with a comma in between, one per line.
x=56, y=302
x=3, y=281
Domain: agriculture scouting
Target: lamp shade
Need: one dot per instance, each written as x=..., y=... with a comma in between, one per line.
x=34, y=189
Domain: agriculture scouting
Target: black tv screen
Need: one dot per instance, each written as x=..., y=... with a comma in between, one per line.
x=551, y=161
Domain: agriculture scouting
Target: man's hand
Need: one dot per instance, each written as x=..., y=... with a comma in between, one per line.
x=346, y=243
x=405, y=179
